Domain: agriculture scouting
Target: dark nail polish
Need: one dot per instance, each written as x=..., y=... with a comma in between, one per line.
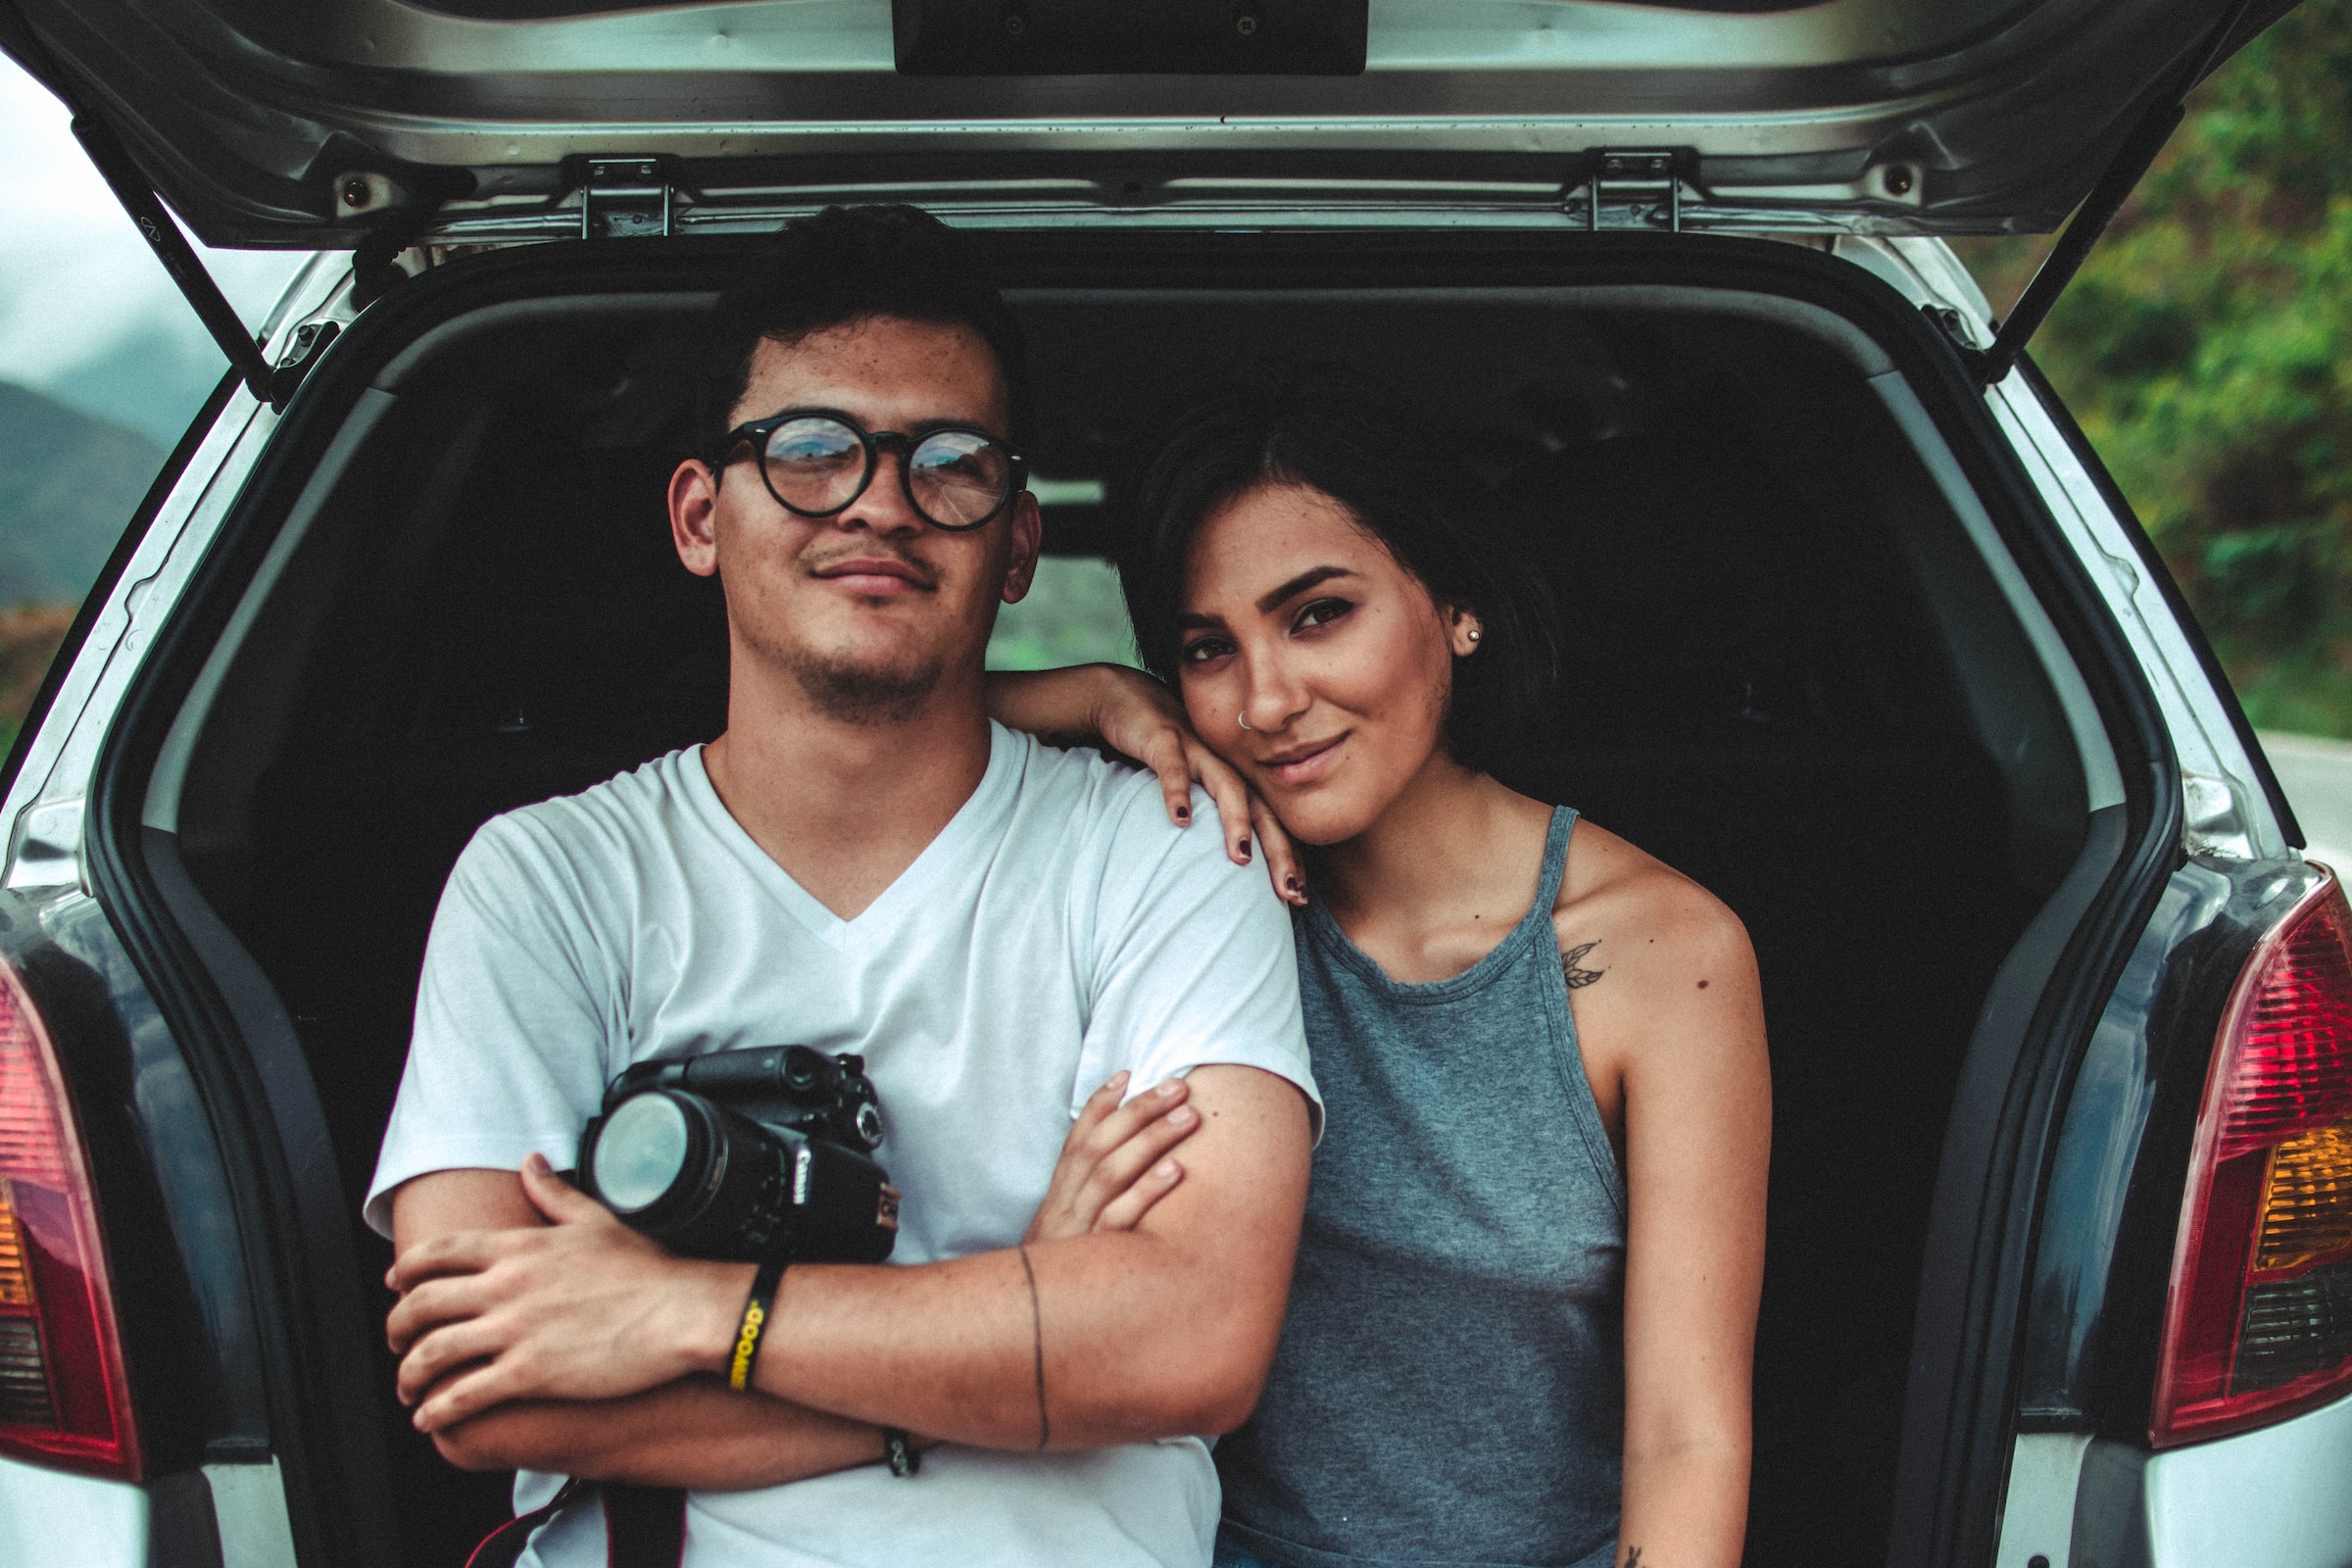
x=1245, y=849
x=1183, y=813
x=1291, y=883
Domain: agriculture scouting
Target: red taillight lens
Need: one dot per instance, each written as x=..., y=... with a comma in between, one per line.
x=64, y=1399
x=2259, y=1323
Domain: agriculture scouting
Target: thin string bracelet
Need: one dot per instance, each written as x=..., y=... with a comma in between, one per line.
x=1037, y=1341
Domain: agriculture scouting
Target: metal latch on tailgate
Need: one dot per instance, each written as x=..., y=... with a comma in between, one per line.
x=624, y=198
x=1634, y=187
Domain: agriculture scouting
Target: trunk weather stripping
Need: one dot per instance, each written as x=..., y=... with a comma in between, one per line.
x=2099, y=209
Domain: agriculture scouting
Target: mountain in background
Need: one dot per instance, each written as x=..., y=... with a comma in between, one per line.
x=69, y=483
x=151, y=381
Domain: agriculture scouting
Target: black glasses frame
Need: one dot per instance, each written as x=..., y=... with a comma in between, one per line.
x=874, y=442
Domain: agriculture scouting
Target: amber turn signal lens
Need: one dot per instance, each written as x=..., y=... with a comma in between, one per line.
x=15, y=1268
x=2307, y=1204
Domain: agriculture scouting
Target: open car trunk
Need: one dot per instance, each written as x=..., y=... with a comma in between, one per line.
x=342, y=122
x=1805, y=669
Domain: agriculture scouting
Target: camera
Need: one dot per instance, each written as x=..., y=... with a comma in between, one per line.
x=746, y=1155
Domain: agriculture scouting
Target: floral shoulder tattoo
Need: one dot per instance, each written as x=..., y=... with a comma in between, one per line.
x=1572, y=965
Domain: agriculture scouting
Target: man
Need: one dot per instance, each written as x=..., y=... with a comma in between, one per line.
x=860, y=862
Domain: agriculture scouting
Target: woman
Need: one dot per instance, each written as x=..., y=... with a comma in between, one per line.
x=1523, y=1317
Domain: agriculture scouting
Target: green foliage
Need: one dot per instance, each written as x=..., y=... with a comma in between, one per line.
x=1072, y=615
x=2207, y=348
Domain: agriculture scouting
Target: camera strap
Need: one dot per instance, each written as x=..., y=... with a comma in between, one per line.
x=645, y=1527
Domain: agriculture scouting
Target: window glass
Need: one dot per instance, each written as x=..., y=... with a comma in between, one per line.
x=1073, y=615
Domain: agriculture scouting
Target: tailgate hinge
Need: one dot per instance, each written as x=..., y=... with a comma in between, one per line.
x=1637, y=187
x=626, y=198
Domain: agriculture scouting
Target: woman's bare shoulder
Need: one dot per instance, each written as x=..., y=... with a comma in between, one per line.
x=1611, y=888
x=1659, y=971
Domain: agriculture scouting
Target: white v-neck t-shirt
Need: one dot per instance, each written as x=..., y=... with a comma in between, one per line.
x=1057, y=930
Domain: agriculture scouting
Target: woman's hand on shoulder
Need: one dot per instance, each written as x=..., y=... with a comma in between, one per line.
x=1134, y=715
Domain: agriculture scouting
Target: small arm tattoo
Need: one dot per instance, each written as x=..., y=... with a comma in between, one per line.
x=1577, y=976
x=1633, y=1559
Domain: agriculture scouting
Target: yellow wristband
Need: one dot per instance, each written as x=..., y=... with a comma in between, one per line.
x=757, y=1308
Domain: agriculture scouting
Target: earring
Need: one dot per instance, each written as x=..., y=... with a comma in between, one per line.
x=1242, y=719
x=1474, y=634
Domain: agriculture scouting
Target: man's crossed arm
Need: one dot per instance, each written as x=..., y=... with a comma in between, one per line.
x=582, y=1348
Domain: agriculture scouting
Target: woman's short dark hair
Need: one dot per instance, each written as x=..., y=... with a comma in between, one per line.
x=850, y=264
x=1335, y=429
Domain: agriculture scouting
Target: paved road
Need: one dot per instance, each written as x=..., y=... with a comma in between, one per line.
x=2317, y=776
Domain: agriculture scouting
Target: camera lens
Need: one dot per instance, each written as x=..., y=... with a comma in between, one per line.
x=709, y=1181
x=640, y=1152
x=870, y=1123
x=706, y=1181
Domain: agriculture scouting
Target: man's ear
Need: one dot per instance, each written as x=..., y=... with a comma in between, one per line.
x=694, y=516
x=1028, y=538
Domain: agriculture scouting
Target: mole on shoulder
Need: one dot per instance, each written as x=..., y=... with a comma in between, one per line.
x=1702, y=985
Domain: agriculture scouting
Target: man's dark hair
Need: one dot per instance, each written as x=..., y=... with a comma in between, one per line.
x=1335, y=429
x=845, y=264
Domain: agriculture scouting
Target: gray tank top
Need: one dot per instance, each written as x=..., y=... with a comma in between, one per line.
x=1451, y=1383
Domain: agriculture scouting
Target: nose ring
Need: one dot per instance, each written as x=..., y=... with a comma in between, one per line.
x=1242, y=719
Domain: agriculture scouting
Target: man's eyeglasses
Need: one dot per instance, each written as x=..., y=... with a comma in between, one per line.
x=816, y=462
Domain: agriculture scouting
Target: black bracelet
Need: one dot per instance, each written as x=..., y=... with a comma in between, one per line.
x=900, y=1452
x=757, y=1310
x=1037, y=1341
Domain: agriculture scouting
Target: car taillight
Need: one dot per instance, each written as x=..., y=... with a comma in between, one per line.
x=64, y=1399
x=2259, y=1322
